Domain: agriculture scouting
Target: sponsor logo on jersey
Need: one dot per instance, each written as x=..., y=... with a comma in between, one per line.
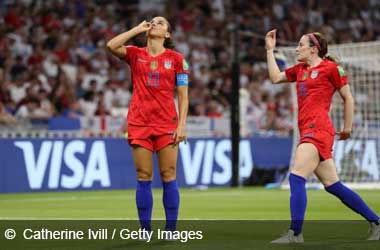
x=167, y=64
x=153, y=65
x=314, y=74
x=141, y=60
x=185, y=66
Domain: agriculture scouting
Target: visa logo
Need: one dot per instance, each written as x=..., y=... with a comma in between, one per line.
x=209, y=161
x=67, y=166
x=362, y=156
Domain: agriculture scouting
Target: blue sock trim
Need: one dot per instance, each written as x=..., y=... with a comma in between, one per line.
x=298, y=202
x=171, y=199
x=352, y=200
x=144, y=203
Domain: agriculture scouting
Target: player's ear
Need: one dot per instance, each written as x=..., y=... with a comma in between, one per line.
x=167, y=35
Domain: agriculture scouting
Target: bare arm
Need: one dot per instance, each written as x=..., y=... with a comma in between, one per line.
x=183, y=106
x=116, y=44
x=275, y=75
x=348, y=100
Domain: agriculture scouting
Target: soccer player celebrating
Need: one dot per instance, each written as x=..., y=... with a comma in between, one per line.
x=318, y=77
x=153, y=124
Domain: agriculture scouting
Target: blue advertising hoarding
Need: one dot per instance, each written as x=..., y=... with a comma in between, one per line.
x=90, y=164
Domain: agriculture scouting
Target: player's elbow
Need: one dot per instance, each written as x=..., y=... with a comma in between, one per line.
x=275, y=79
x=278, y=77
x=109, y=47
x=348, y=98
x=183, y=99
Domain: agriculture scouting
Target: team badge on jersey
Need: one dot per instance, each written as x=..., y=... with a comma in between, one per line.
x=314, y=74
x=167, y=64
x=153, y=65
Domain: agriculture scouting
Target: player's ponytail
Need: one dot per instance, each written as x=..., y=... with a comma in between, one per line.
x=331, y=58
x=168, y=43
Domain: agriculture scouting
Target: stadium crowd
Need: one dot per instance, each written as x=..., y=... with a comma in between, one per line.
x=53, y=60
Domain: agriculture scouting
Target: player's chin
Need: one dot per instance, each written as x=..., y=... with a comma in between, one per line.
x=154, y=34
x=300, y=59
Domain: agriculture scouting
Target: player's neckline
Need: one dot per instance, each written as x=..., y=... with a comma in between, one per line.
x=147, y=51
x=319, y=64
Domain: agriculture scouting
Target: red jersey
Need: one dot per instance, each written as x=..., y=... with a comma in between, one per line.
x=315, y=89
x=154, y=80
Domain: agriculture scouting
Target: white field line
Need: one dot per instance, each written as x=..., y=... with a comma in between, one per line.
x=118, y=197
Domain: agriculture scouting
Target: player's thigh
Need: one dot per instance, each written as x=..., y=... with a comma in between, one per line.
x=306, y=160
x=167, y=162
x=326, y=172
x=143, y=159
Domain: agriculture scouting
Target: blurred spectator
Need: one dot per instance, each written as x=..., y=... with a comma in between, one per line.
x=101, y=109
x=74, y=110
x=18, y=91
x=6, y=118
x=32, y=110
x=52, y=55
x=213, y=109
x=88, y=103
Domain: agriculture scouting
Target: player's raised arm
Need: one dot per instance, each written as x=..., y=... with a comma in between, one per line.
x=275, y=75
x=116, y=44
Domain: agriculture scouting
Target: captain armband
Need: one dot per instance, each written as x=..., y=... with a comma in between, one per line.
x=182, y=79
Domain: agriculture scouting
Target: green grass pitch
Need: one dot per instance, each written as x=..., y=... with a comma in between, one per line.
x=214, y=203
x=199, y=205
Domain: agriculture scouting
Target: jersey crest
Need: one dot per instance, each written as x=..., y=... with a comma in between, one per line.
x=314, y=74
x=167, y=64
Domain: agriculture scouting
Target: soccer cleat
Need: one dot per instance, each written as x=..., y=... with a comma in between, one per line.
x=374, y=231
x=289, y=237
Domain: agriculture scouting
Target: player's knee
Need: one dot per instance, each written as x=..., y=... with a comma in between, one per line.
x=299, y=173
x=168, y=174
x=144, y=175
x=328, y=182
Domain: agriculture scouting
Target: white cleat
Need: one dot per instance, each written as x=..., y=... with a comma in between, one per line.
x=289, y=237
x=374, y=231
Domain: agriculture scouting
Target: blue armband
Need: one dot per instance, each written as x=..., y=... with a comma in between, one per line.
x=182, y=79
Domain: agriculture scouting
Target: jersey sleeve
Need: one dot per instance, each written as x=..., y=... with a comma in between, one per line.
x=131, y=54
x=181, y=71
x=338, y=76
x=291, y=73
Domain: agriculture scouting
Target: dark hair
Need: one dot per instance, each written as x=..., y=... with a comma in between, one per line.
x=318, y=40
x=168, y=43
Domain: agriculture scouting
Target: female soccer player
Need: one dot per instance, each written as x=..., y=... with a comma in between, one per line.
x=153, y=124
x=318, y=77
